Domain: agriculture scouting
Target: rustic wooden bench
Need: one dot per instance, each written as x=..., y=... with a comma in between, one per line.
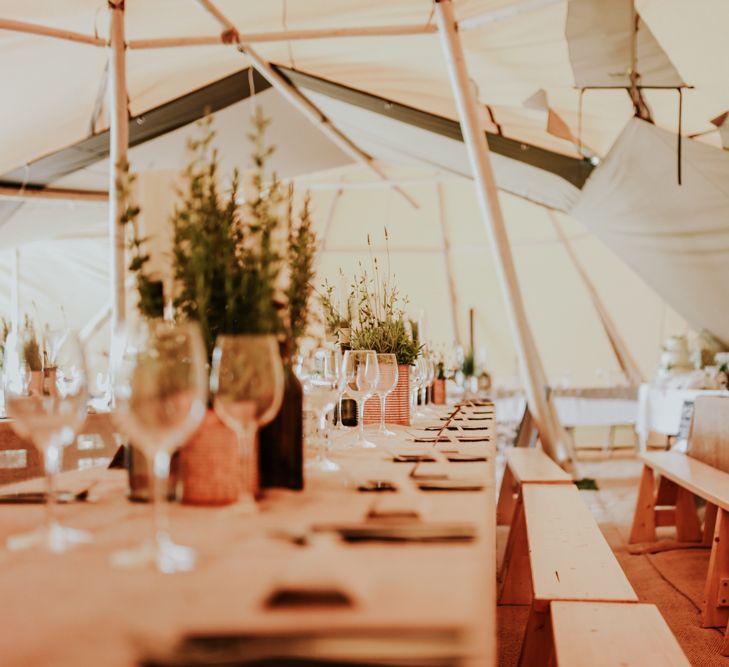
x=556, y=552
x=671, y=503
x=525, y=466
x=606, y=634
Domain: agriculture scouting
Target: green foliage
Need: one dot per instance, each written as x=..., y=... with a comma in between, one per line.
x=238, y=269
x=381, y=324
x=469, y=365
x=151, y=302
x=4, y=331
x=300, y=255
x=335, y=317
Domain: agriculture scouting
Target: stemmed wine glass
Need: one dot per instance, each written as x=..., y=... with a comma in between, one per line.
x=360, y=375
x=385, y=385
x=247, y=384
x=418, y=374
x=320, y=377
x=429, y=376
x=49, y=414
x=160, y=391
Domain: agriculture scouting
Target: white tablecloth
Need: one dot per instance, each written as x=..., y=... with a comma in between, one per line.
x=659, y=409
x=575, y=410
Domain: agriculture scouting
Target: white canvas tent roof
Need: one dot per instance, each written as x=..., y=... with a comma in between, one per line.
x=514, y=51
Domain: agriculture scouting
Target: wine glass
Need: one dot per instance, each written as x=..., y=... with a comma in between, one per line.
x=247, y=384
x=429, y=376
x=360, y=375
x=385, y=385
x=160, y=390
x=418, y=374
x=49, y=414
x=321, y=382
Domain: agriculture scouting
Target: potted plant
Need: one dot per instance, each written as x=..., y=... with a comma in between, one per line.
x=237, y=269
x=381, y=325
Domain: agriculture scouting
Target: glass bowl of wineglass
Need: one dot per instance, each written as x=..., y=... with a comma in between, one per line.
x=160, y=396
x=45, y=397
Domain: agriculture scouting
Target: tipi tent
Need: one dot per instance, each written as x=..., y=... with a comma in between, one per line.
x=553, y=107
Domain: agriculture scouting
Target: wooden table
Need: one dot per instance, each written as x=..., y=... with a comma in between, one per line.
x=75, y=609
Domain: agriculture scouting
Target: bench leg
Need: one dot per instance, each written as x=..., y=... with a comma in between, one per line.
x=507, y=499
x=709, y=524
x=516, y=571
x=644, y=519
x=688, y=527
x=716, y=594
x=538, y=645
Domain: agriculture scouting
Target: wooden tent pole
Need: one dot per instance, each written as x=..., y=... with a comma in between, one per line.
x=554, y=440
x=622, y=352
x=15, y=290
x=298, y=100
x=119, y=144
x=54, y=194
x=45, y=31
x=286, y=35
x=448, y=259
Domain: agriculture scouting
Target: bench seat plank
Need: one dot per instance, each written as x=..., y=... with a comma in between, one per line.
x=609, y=634
x=701, y=479
x=533, y=465
x=570, y=559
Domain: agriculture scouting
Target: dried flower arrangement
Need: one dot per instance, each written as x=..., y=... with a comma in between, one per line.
x=380, y=323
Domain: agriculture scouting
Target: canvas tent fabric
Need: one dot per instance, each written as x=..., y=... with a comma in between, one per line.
x=676, y=237
x=513, y=48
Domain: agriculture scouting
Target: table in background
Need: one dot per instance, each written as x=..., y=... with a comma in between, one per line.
x=659, y=409
x=76, y=610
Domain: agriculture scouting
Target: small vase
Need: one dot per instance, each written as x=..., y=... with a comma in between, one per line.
x=397, y=403
x=281, y=443
x=210, y=465
x=438, y=391
x=35, y=387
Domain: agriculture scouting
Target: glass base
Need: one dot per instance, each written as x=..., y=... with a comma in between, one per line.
x=384, y=432
x=161, y=554
x=363, y=443
x=246, y=504
x=55, y=538
x=323, y=464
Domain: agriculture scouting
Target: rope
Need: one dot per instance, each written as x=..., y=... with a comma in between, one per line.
x=284, y=23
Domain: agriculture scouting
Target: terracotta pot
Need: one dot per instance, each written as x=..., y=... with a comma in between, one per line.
x=36, y=383
x=438, y=391
x=210, y=465
x=397, y=404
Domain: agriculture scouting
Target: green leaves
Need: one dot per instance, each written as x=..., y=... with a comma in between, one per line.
x=230, y=259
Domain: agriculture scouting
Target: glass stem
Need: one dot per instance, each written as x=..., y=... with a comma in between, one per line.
x=322, y=435
x=360, y=418
x=383, y=399
x=51, y=463
x=161, y=468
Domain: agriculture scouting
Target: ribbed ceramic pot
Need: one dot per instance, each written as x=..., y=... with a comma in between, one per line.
x=397, y=404
x=210, y=465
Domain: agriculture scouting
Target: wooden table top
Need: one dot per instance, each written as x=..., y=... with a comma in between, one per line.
x=75, y=609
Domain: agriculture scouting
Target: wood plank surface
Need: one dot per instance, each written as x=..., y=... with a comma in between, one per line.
x=608, y=634
x=533, y=465
x=699, y=478
x=570, y=558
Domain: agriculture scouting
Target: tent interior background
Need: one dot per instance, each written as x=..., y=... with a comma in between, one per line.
x=529, y=91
